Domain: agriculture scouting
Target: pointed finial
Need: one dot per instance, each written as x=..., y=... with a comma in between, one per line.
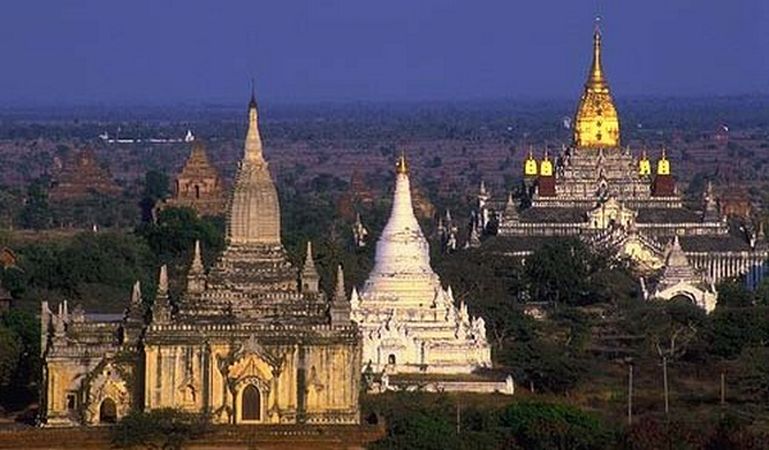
x=136, y=294
x=596, y=79
x=197, y=261
x=252, y=103
x=401, y=167
x=309, y=261
x=339, y=292
x=253, y=138
x=163, y=281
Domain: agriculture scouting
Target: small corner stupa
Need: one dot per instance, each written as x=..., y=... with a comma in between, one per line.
x=680, y=280
x=410, y=323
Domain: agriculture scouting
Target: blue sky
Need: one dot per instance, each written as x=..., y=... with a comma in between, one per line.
x=164, y=51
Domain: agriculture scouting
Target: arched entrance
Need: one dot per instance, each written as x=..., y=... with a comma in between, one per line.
x=251, y=404
x=108, y=411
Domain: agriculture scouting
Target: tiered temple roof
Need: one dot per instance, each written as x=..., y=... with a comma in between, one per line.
x=81, y=175
x=254, y=251
x=199, y=185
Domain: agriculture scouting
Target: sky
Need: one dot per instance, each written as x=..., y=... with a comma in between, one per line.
x=167, y=52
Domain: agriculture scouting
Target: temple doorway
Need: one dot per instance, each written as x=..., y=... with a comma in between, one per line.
x=251, y=404
x=108, y=411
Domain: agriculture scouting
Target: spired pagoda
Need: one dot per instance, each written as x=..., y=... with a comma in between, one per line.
x=410, y=323
x=615, y=199
x=253, y=341
x=81, y=175
x=198, y=185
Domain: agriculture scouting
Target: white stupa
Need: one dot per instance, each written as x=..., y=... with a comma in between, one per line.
x=410, y=323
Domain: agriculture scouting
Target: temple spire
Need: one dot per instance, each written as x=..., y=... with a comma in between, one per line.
x=161, y=310
x=253, y=151
x=310, y=277
x=197, y=261
x=196, y=281
x=402, y=167
x=339, y=292
x=596, y=123
x=340, y=307
x=596, y=80
x=402, y=247
x=254, y=214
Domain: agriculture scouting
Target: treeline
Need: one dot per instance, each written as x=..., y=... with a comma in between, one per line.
x=444, y=422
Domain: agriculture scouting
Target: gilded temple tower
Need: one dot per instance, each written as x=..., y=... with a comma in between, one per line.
x=596, y=123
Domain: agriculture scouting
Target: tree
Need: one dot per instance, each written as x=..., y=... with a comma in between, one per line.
x=155, y=189
x=546, y=426
x=160, y=428
x=733, y=293
x=173, y=236
x=36, y=213
x=753, y=373
x=11, y=350
x=567, y=271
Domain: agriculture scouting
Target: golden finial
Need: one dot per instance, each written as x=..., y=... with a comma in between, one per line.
x=596, y=79
x=402, y=167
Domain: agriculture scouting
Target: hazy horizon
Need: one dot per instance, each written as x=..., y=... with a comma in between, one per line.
x=345, y=51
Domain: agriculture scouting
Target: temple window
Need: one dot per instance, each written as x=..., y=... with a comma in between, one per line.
x=71, y=401
x=197, y=191
x=391, y=359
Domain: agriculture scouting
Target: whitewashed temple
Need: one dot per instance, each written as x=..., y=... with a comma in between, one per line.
x=410, y=323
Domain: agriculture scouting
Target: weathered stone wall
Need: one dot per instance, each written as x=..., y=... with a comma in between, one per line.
x=230, y=437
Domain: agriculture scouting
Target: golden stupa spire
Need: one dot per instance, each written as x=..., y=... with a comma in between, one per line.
x=596, y=80
x=402, y=167
x=596, y=124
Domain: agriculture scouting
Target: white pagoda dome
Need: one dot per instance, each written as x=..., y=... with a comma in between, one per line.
x=410, y=323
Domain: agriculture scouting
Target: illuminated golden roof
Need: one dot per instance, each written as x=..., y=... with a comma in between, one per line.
x=644, y=165
x=596, y=124
x=663, y=165
x=546, y=167
x=530, y=165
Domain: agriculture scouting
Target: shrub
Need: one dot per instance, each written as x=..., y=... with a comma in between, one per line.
x=162, y=428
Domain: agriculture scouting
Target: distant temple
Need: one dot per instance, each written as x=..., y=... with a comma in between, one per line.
x=80, y=176
x=198, y=185
x=410, y=323
x=623, y=202
x=253, y=341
